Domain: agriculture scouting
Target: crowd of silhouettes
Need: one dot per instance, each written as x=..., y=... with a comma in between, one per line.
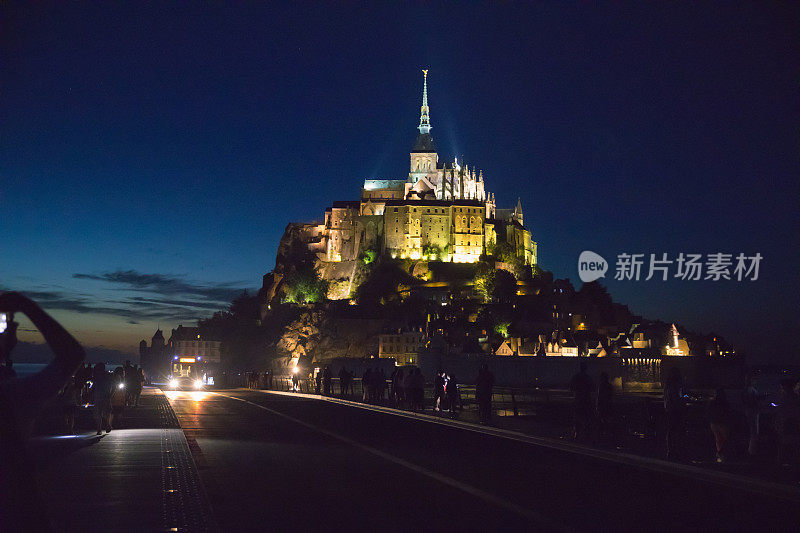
x=595, y=418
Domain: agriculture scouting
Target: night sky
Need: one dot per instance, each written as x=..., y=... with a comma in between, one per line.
x=151, y=155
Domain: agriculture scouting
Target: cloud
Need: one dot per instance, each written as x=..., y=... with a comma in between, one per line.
x=149, y=297
x=167, y=285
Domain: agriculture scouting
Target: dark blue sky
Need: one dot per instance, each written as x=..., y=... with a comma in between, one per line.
x=152, y=154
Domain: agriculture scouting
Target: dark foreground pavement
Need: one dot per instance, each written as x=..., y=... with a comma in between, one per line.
x=271, y=461
x=255, y=461
x=139, y=477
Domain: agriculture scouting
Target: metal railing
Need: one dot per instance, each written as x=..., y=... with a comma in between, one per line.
x=506, y=401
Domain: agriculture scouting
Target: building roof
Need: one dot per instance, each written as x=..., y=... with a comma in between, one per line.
x=182, y=333
x=347, y=204
x=425, y=203
x=371, y=185
x=424, y=144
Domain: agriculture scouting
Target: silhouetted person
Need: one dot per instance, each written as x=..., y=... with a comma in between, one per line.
x=380, y=384
x=343, y=377
x=318, y=383
x=84, y=376
x=140, y=379
x=675, y=413
x=417, y=390
x=453, y=396
x=581, y=386
x=719, y=417
x=130, y=379
x=438, y=391
x=366, y=384
x=484, y=385
x=119, y=396
x=102, y=385
x=68, y=400
x=127, y=371
x=605, y=407
x=751, y=401
x=787, y=422
x=398, y=387
x=326, y=381
x=21, y=402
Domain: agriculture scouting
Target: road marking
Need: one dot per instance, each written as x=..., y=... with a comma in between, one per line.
x=469, y=489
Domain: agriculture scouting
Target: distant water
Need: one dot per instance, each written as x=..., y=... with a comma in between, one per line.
x=26, y=369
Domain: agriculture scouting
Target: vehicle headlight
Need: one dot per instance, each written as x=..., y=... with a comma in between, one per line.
x=198, y=383
x=121, y=386
x=173, y=383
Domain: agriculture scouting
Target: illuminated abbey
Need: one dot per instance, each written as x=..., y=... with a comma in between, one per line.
x=442, y=212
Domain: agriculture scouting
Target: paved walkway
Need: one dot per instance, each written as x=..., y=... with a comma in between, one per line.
x=142, y=475
x=139, y=477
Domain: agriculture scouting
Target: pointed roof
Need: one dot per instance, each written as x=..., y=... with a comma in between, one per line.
x=424, y=142
x=424, y=116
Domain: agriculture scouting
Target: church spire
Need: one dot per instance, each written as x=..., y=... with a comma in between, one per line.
x=424, y=118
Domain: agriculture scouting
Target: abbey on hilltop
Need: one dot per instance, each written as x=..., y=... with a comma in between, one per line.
x=442, y=209
x=441, y=212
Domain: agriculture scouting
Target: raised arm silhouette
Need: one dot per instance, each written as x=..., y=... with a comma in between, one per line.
x=21, y=402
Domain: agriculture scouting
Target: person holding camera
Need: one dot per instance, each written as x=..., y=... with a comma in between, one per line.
x=21, y=402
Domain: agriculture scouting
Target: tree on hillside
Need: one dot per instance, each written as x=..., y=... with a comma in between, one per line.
x=494, y=284
x=505, y=253
x=484, y=280
x=238, y=327
x=368, y=255
x=504, y=287
x=595, y=303
x=501, y=327
x=432, y=252
x=305, y=286
x=384, y=284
